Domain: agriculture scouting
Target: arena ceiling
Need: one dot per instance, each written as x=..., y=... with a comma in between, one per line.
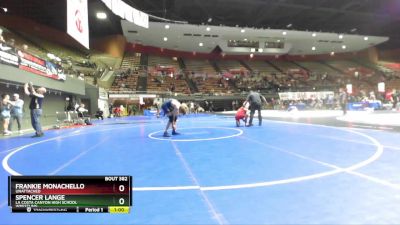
x=361, y=17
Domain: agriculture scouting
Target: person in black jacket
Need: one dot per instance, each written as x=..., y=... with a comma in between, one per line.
x=35, y=106
x=99, y=114
x=343, y=100
x=255, y=99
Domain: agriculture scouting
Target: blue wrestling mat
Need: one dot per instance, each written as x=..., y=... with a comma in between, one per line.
x=217, y=173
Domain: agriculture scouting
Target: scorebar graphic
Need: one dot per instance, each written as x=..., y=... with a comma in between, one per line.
x=70, y=194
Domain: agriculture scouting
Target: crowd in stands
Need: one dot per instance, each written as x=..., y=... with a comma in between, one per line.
x=69, y=65
x=228, y=83
x=387, y=100
x=211, y=84
x=220, y=84
x=125, y=80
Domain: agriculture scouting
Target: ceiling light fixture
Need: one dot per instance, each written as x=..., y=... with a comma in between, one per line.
x=208, y=29
x=165, y=39
x=365, y=38
x=314, y=34
x=344, y=46
x=166, y=26
x=341, y=36
x=252, y=50
x=201, y=44
x=313, y=48
x=284, y=32
x=332, y=53
x=242, y=30
x=260, y=50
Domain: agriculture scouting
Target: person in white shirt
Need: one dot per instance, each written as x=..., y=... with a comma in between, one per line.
x=191, y=107
x=16, y=113
x=81, y=110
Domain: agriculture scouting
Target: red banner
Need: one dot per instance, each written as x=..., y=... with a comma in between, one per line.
x=32, y=64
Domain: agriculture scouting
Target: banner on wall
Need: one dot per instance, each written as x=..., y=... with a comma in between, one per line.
x=77, y=21
x=8, y=55
x=305, y=95
x=32, y=64
x=55, y=71
x=28, y=62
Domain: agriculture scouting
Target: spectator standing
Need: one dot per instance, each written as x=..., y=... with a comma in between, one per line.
x=211, y=106
x=395, y=98
x=117, y=111
x=157, y=105
x=122, y=110
x=35, y=107
x=134, y=109
x=191, y=107
x=16, y=113
x=5, y=114
x=110, y=110
x=343, y=100
x=206, y=105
